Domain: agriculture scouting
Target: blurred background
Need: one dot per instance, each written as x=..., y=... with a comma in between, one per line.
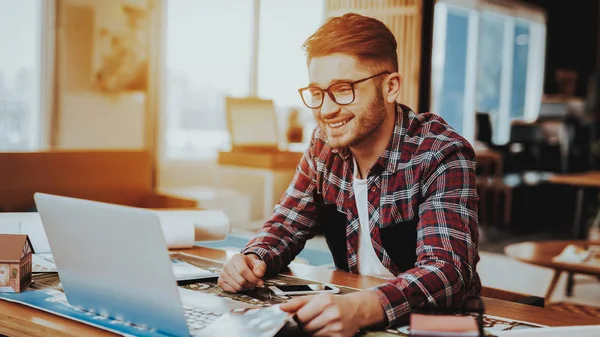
x=129, y=101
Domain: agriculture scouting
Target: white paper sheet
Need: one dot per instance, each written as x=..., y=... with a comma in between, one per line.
x=566, y=331
x=26, y=223
x=43, y=263
x=184, y=271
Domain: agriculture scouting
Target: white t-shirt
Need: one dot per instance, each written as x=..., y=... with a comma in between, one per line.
x=368, y=262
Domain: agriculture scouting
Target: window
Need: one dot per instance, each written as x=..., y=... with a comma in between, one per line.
x=451, y=66
x=487, y=59
x=209, y=49
x=284, y=26
x=20, y=74
x=491, y=61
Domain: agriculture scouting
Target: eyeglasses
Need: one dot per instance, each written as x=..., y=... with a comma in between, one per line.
x=342, y=93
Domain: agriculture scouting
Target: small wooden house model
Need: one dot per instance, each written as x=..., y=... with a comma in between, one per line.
x=15, y=262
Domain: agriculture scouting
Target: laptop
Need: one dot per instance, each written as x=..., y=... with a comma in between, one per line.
x=114, y=260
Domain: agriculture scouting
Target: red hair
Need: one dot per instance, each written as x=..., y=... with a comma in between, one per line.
x=367, y=39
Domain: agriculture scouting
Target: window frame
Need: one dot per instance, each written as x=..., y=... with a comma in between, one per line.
x=48, y=128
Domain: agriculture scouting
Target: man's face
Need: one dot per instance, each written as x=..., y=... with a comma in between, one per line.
x=347, y=125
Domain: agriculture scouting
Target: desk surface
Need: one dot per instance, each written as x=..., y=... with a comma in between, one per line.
x=18, y=320
x=541, y=253
x=583, y=179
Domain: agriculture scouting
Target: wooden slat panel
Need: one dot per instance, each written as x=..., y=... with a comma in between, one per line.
x=403, y=18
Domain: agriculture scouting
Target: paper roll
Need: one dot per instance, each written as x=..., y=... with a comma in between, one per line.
x=208, y=225
x=181, y=228
x=178, y=232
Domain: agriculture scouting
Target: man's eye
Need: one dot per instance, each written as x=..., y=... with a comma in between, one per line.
x=344, y=91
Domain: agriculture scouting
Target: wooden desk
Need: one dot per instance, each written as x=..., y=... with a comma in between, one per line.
x=17, y=320
x=584, y=179
x=590, y=179
x=274, y=160
x=541, y=254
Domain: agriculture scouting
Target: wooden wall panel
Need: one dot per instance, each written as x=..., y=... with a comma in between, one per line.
x=122, y=177
x=404, y=19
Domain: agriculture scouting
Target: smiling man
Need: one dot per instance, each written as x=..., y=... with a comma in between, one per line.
x=392, y=191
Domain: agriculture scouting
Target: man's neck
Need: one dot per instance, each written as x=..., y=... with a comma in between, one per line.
x=368, y=152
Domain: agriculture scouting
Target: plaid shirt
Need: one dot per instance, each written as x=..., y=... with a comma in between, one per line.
x=426, y=171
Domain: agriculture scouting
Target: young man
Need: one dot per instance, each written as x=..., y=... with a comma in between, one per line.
x=393, y=191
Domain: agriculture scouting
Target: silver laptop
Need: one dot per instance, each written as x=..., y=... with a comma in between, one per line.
x=114, y=260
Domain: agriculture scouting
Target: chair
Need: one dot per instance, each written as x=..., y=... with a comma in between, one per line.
x=525, y=147
x=483, y=128
x=490, y=179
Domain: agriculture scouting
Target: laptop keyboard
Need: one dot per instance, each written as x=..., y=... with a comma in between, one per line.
x=197, y=319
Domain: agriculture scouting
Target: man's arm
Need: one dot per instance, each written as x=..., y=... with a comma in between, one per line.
x=447, y=239
x=293, y=221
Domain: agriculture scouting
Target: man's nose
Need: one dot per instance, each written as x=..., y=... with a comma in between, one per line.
x=329, y=107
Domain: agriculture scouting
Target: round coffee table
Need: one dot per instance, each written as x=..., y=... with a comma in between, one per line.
x=541, y=253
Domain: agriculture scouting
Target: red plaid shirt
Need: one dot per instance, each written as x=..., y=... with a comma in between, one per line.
x=427, y=171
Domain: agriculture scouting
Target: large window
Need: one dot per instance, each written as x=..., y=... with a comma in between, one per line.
x=207, y=59
x=209, y=55
x=487, y=59
x=451, y=64
x=284, y=25
x=20, y=74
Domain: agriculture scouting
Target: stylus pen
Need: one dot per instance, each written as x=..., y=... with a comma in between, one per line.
x=297, y=320
x=193, y=281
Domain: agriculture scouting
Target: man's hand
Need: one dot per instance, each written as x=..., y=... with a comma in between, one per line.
x=336, y=315
x=242, y=272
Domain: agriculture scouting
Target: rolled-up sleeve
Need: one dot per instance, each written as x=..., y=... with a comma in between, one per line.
x=293, y=222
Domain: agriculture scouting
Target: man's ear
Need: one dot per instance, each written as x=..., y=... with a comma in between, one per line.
x=394, y=84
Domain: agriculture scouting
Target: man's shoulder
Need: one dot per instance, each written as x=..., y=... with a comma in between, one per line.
x=430, y=133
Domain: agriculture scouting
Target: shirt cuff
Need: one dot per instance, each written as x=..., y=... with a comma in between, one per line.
x=264, y=255
x=394, y=303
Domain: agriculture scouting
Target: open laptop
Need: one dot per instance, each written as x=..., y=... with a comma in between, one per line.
x=114, y=260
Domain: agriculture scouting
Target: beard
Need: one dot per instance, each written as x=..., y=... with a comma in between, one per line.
x=362, y=127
